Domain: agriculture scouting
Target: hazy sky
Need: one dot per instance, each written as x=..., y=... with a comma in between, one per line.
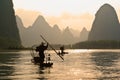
x=73, y=13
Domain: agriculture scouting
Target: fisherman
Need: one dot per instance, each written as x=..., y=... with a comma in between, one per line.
x=41, y=48
x=62, y=50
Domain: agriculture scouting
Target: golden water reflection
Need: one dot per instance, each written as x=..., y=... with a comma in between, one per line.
x=80, y=64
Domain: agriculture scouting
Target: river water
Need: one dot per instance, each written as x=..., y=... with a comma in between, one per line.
x=79, y=64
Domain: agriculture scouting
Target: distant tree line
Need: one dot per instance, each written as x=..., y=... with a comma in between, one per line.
x=101, y=44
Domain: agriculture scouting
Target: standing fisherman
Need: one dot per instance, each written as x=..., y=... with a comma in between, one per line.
x=41, y=48
x=62, y=50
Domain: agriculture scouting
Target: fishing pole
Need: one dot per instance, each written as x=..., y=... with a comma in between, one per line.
x=52, y=47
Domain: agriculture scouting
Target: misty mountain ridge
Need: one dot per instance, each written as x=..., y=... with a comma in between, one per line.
x=106, y=24
x=84, y=35
x=105, y=27
x=54, y=35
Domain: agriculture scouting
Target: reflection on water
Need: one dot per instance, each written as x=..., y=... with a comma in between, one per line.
x=78, y=65
x=105, y=59
x=5, y=59
x=106, y=63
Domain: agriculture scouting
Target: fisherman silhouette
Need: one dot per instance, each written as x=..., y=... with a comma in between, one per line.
x=61, y=50
x=41, y=48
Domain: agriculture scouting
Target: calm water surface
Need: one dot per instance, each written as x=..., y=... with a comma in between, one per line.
x=78, y=65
